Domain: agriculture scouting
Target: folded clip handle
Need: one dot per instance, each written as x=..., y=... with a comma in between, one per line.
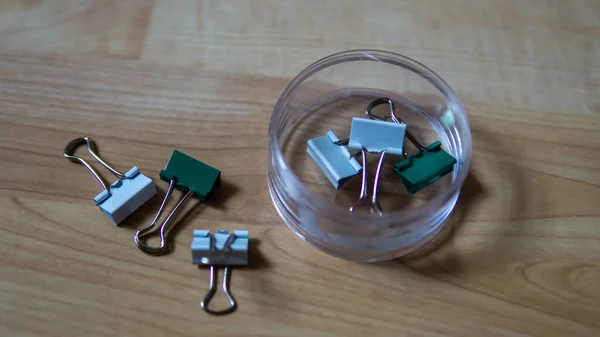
x=212, y=290
x=91, y=147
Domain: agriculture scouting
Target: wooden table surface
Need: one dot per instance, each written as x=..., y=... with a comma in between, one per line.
x=145, y=77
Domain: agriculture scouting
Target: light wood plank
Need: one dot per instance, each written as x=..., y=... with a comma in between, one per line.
x=522, y=257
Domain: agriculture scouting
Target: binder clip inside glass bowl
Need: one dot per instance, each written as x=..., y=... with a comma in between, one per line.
x=193, y=178
x=220, y=249
x=124, y=196
x=334, y=159
x=375, y=136
x=420, y=169
x=313, y=196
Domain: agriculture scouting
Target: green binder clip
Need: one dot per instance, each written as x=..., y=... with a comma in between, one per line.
x=192, y=177
x=422, y=169
x=425, y=167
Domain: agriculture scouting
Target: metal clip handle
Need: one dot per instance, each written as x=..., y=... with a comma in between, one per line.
x=91, y=147
x=212, y=290
x=375, y=206
x=395, y=119
x=163, y=228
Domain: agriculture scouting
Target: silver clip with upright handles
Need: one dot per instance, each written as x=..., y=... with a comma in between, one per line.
x=125, y=195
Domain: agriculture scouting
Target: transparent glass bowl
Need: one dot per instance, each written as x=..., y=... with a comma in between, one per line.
x=325, y=96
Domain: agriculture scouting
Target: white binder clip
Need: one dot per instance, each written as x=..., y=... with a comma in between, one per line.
x=124, y=196
x=377, y=136
x=220, y=249
x=334, y=160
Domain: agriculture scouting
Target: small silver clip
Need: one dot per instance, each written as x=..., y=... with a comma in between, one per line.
x=125, y=195
x=223, y=249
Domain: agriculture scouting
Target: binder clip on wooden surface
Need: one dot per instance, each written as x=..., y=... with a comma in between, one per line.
x=220, y=249
x=192, y=177
x=125, y=195
x=333, y=159
x=378, y=136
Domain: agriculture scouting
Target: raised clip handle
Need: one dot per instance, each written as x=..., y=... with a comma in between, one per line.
x=163, y=228
x=212, y=290
x=91, y=147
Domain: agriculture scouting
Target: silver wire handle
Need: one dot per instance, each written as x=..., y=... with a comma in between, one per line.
x=212, y=290
x=91, y=147
x=163, y=228
x=363, y=187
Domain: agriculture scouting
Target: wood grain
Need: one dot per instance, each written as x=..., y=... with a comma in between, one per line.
x=143, y=77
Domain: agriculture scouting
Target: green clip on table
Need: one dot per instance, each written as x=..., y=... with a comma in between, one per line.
x=191, y=176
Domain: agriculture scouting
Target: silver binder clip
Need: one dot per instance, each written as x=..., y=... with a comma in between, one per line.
x=125, y=195
x=333, y=159
x=377, y=136
x=220, y=249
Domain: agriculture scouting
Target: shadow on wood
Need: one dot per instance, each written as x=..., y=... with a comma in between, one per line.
x=256, y=259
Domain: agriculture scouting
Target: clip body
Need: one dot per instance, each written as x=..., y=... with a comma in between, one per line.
x=223, y=249
x=334, y=160
x=191, y=174
x=377, y=136
x=211, y=250
x=125, y=195
x=425, y=167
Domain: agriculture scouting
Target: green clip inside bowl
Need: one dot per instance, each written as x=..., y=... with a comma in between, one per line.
x=424, y=168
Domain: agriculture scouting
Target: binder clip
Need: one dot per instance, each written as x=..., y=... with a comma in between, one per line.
x=423, y=168
x=378, y=136
x=192, y=177
x=333, y=159
x=124, y=196
x=220, y=249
